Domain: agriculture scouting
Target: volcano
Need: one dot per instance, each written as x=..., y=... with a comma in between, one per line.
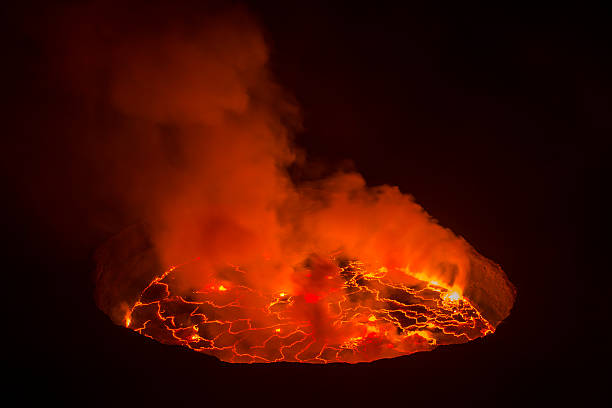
x=244, y=248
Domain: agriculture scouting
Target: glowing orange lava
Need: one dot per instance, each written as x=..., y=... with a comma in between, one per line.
x=355, y=316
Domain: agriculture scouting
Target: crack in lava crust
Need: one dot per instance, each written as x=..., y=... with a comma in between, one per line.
x=366, y=316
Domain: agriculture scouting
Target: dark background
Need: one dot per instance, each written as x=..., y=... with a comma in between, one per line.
x=495, y=119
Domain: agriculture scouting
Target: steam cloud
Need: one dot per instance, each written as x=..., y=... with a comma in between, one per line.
x=194, y=135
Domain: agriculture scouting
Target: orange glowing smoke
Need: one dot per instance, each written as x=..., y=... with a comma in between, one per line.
x=194, y=150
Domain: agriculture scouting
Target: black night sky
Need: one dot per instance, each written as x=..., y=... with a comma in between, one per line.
x=495, y=119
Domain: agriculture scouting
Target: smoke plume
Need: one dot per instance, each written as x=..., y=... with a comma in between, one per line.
x=185, y=127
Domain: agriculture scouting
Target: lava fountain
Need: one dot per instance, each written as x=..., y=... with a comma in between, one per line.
x=229, y=255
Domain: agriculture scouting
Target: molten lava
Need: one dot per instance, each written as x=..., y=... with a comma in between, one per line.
x=356, y=315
